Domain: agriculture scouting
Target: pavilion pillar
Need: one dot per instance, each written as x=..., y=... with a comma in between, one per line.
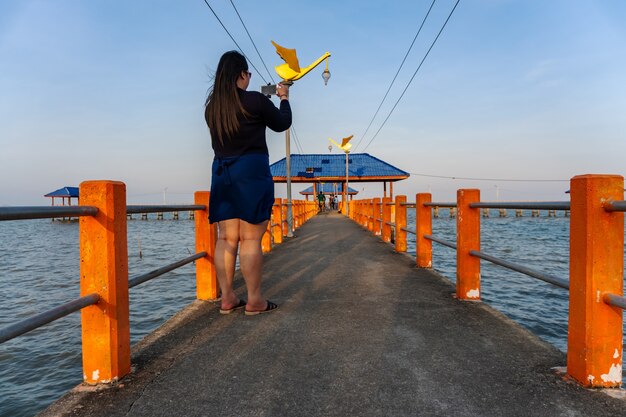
x=391, y=189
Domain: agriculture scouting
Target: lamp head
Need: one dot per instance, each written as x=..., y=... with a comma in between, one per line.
x=326, y=76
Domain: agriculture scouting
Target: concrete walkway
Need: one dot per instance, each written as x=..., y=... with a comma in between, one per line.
x=360, y=332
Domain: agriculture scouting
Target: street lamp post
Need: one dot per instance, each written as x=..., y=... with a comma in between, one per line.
x=346, y=191
x=291, y=71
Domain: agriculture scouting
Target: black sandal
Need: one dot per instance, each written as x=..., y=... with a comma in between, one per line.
x=241, y=304
x=270, y=307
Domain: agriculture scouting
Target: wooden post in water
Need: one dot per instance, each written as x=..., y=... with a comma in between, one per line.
x=467, y=239
x=485, y=212
x=104, y=271
x=400, y=223
x=423, y=226
x=386, y=232
x=594, y=344
x=207, y=287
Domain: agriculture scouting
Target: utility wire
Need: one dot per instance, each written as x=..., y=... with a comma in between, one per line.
x=395, y=76
x=483, y=179
x=251, y=40
x=295, y=137
x=414, y=74
x=233, y=39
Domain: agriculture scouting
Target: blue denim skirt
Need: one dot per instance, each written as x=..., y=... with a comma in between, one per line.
x=241, y=188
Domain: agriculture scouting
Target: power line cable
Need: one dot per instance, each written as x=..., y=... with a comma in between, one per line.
x=395, y=76
x=251, y=40
x=414, y=74
x=233, y=39
x=297, y=141
x=483, y=179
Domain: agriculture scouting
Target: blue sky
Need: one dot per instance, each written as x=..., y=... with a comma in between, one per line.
x=513, y=89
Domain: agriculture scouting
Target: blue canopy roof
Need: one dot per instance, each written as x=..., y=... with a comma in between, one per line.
x=328, y=188
x=64, y=192
x=332, y=167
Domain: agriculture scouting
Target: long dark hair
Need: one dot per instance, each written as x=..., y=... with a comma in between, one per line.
x=222, y=105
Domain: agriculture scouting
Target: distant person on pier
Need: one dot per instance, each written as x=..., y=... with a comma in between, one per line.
x=321, y=200
x=242, y=189
x=335, y=202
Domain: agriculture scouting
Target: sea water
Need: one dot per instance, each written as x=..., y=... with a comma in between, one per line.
x=39, y=269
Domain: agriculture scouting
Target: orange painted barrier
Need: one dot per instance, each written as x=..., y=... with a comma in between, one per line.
x=423, y=226
x=400, y=223
x=207, y=287
x=386, y=232
x=595, y=336
x=277, y=219
x=468, y=238
x=377, y=217
x=266, y=239
x=104, y=271
x=285, y=226
x=594, y=348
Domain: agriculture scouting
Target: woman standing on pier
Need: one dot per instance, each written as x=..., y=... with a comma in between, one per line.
x=242, y=189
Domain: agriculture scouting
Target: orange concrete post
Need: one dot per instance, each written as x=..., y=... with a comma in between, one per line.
x=594, y=344
x=467, y=239
x=400, y=223
x=386, y=234
x=266, y=239
x=377, y=217
x=423, y=226
x=284, y=225
x=370, y=214
x=207, y=287
x=104, y=271
x=277, y=219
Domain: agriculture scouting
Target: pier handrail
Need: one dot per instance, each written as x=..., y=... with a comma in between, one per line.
x=45, y=212
x=596, y=271
x=104, y=268
x=34, y=322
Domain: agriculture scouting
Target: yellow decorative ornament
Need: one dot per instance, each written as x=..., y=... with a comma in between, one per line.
x=291, y=70
x=345, y=145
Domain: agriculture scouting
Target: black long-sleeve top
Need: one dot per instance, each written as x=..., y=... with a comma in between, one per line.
x=251, y=135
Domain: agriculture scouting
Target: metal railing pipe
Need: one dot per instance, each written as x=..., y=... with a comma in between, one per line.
x=140, y=279
x=559, y=282
x=615, y=205
x=162, y=208
x=46, y=317
x=436, y=204
x=615, y=300
x=36, y=212
x=543, y=205
x=441, y=241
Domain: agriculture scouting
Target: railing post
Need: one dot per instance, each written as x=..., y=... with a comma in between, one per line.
x=386, y=235
x=104, y=270
x=266, y=239
x=277, y=218
x=467, y=239
x=377, y=217
x=207, y=287
x=594, y=344
x=400, y=223
x=284, y=225
x=423, y=226
x=370, y=214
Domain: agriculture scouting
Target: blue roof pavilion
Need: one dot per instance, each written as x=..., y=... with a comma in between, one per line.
x=71, y=192
x=317, y=168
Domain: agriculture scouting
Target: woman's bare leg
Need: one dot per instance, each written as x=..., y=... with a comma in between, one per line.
x=225, y=258
x=251, y=262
